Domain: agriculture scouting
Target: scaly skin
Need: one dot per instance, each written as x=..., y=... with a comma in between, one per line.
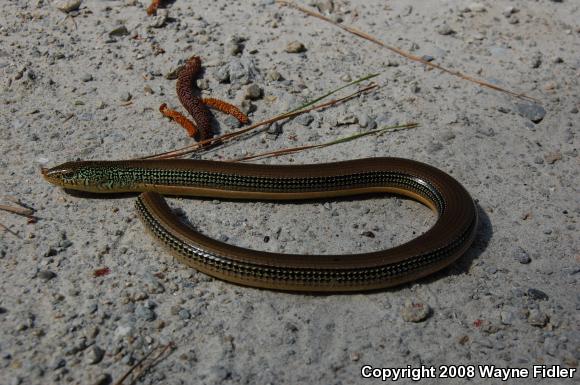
x=446, y=241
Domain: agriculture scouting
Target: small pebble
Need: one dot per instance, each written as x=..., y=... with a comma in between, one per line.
x=274, y=129
x=551, y=346
x=51, y=252
x=247, y=106
x=234, y=45
x=159, y=20
x=295, y=47
x=173, y=73
x=407, y=10
x=145, y=313
x=184, y=314
x=553, y=157
x=476, y=7
x=538, y=159
x=433, y=147
x=344, y=120
x=58, y=363
x=103, y=379
x=346, y=78
x=119, y=31
x=87, y=77
x=536, y=60
x=531, y=111
x=509, y=11
x=67, y=5
x=521, y=256
x=46, y=275
x=447, y=135
x=253, y=92
x=123, y=331
x=507, y=317
x=95, y=355
x=415, y=311
x=363, y=120
x=485, y=130
x=231, y=122
x=304, y=119
x=222, y=75
x=324, y=6
x=537, y=294
x=444, y=29
x=202, y=84
x=537, y=318
x=274, y=76
x=125, y=96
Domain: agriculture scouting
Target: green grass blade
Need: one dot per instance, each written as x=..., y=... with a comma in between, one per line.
x=310, y=103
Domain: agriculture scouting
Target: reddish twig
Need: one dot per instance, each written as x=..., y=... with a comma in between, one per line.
x=233, y=135
x=180, y=119
x=152, y=9
x=193, y=104
x=227, y=108
x=101, y=272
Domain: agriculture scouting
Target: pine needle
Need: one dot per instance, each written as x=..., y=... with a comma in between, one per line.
x=140, y=363
x=404, y=53
x=24, y=211
x=233, y=135
x=292, y=150
x=312, y=102
x=5, y=228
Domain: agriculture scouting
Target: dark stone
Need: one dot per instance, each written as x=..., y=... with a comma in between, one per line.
x=537, y=294
x=531, y=111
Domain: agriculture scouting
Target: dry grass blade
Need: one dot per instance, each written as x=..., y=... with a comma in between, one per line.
x=2, y=227
x=292, y=150
x=18, y=210
x=312, y=102
x=170, y=345
x=233, y=135
x=154, y=361
x=404, y=53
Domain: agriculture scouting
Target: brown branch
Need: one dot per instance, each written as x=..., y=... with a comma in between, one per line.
x=404, y=53
x=233, y=135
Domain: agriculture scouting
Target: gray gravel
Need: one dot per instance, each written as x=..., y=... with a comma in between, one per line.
x=86, y=82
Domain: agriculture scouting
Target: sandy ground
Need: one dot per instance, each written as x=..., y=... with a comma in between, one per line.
x=88, y=84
